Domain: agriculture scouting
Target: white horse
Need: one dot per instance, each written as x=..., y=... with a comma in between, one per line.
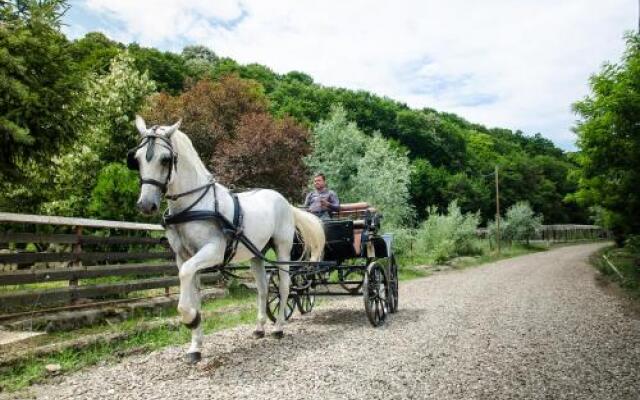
x=167, y=162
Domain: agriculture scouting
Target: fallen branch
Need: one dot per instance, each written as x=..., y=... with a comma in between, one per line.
x=613, y=267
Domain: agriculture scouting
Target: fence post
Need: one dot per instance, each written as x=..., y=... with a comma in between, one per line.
x=77, y=249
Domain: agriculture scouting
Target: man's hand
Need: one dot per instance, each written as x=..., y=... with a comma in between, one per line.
x=325, y=203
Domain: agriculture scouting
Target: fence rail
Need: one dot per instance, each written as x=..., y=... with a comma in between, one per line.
x=50, y=261
x=562, y=233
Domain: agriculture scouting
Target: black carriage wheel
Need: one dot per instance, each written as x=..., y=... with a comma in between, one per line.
x=305, y=301
x=354, y=274
x=375, y=292
x=301, y=284
x=273, y=299
x=393, y=285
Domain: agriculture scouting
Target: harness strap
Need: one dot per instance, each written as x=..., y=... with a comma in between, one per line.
x=232, y=230
x=174, y=197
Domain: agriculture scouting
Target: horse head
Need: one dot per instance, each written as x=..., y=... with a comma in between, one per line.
x=155, y=159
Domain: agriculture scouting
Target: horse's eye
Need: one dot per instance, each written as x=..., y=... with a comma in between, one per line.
x=166, y=160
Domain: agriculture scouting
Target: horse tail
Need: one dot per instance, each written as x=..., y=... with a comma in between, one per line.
x=312, y=231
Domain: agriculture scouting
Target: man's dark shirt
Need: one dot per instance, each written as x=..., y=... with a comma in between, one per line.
x=312, y=202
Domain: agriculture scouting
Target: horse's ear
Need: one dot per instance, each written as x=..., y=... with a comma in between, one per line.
x=141, y=125
x=173, y=128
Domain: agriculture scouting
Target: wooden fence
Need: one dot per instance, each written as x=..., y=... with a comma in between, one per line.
x=562, y=233
x=50, y=262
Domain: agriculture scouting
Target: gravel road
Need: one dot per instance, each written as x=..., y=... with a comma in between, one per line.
x=534, y=327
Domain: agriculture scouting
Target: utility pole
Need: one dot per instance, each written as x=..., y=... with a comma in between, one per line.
x=497, y=211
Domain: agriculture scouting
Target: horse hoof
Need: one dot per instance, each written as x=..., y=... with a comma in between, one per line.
x=258, y=334
x=278, y=334
x=195, y=323
x=193, y=358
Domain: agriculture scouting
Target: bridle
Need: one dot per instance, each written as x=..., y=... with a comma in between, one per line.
x=150, y=140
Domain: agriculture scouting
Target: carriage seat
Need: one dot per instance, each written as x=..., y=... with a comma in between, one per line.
x=354, y=210
x=361, y=206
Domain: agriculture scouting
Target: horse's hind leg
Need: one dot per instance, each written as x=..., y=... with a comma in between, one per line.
x=257, y=267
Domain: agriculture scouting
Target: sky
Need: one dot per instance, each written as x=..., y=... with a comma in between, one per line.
x=516, y=64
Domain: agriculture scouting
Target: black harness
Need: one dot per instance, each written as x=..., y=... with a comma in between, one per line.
x=231, y=229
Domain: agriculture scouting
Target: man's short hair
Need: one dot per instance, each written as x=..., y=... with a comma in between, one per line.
x=324, y=178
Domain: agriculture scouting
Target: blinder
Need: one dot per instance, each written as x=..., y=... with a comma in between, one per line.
x=132, y=161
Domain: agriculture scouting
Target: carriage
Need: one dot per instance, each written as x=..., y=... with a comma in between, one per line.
x=209, y=226
x=358, y=261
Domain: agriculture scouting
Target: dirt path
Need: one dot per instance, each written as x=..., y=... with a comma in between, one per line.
x=536, y=326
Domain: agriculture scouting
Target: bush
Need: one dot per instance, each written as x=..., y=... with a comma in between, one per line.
x=519, y=224
x=115, y=194
x=444, y=236
x=403, y=241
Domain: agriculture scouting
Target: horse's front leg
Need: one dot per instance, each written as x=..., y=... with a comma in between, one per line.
x=284, y=254
x=257, y=267
x=189, y=303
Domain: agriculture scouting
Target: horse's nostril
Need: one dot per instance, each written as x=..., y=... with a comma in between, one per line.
x=154, y=207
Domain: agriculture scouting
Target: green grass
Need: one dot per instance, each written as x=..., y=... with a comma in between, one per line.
x=29, y=371
x=626, y=261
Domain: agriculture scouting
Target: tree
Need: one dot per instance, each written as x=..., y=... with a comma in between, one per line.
x=93, y=53
x=362, y=168
x=383, y=178
x=36, y=82
x=166, y=69
x=209, y=110
x=107, y=110
x=198, y=52
x=338, y=145
x=609, y=142
x=115, y=193
x=264, y=153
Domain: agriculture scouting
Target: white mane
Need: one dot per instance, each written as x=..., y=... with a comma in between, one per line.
x=182, y=145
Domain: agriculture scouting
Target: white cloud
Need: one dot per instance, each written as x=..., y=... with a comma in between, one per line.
x=514, y=64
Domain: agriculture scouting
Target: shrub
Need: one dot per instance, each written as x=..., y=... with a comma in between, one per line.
x=519, y=224
x=115, y=194
x=444, y=236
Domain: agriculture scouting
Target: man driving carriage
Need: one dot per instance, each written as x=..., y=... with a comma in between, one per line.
x=322, y=201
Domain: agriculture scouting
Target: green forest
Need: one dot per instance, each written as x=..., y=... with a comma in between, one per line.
x=67, y=110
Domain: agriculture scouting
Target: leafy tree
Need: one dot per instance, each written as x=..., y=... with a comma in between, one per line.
x=198, y=52
x=609, y=142
x=36, y=82
x=209, y=110
x=383, y=178
x=109, y=104
x=264, y=153
x=166, y=69
x=472, y=194
x=115, y=193
x=94, y=52
x=338, y=146
x=362, y=168
x=199, y=62
x=427, y=187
